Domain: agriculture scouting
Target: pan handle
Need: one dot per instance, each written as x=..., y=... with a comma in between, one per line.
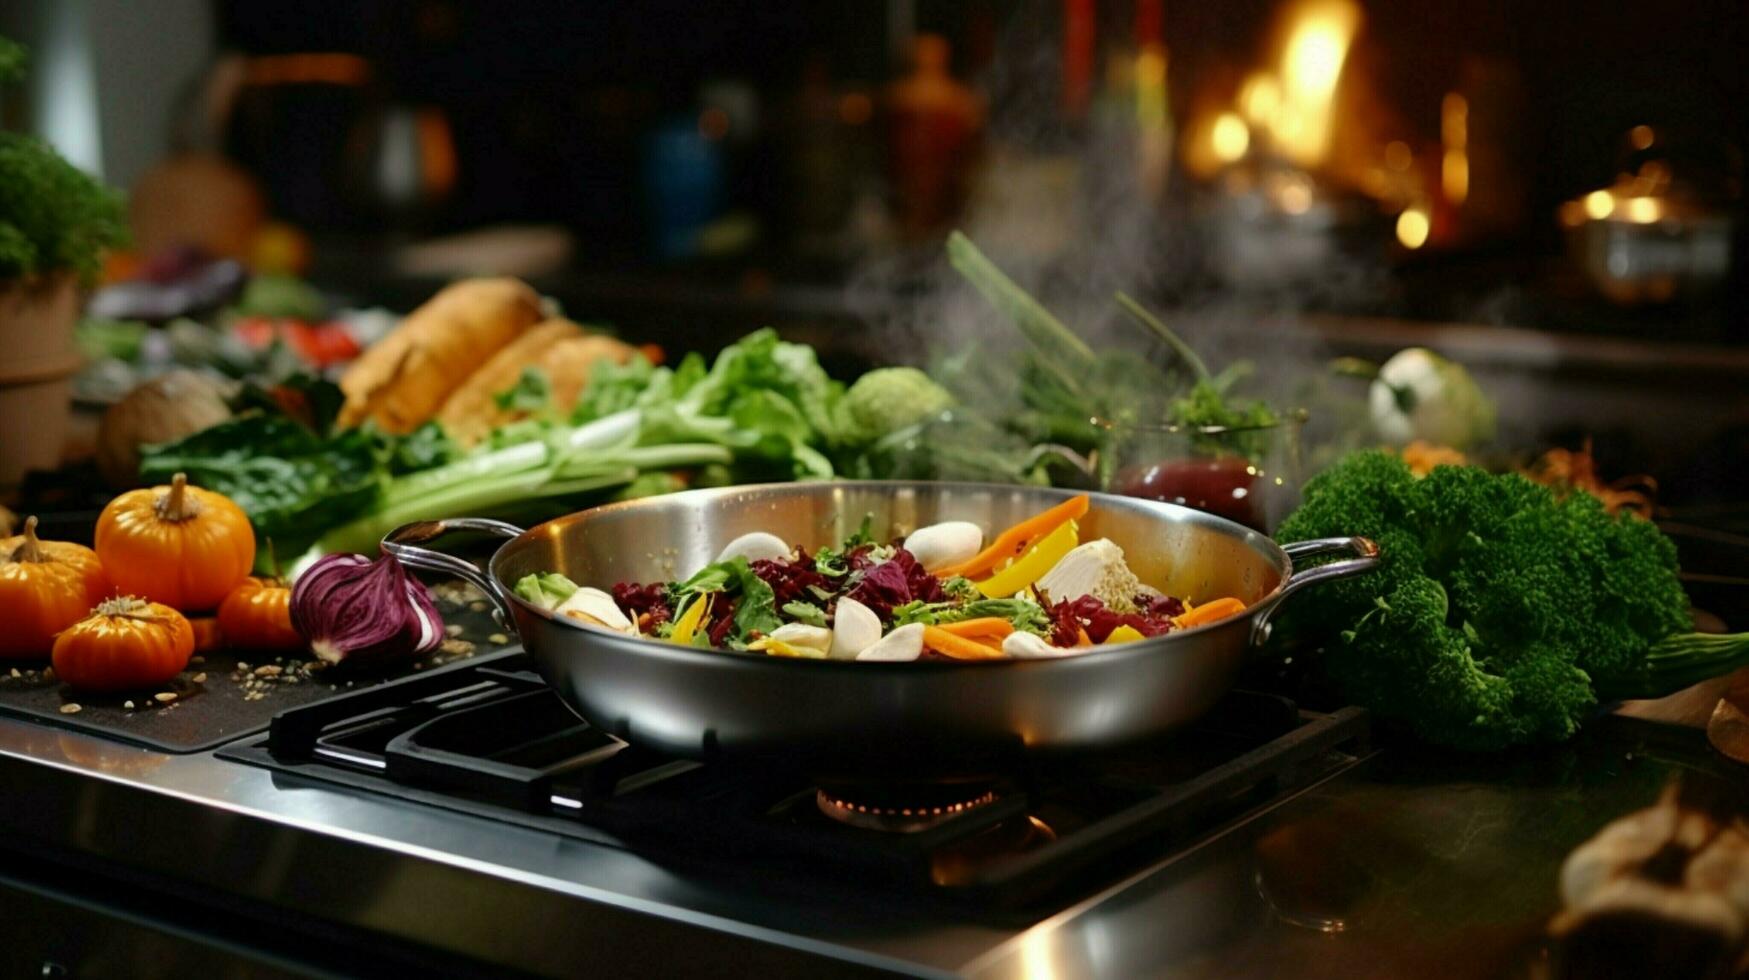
x=1366, y=558
x=404, y=543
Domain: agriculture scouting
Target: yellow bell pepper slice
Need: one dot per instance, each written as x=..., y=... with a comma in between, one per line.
x=1033, y=565
x=687, y=624
x=778, y=648
x=1124, y=634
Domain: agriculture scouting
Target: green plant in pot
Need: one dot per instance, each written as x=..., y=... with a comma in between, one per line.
x=55, y=222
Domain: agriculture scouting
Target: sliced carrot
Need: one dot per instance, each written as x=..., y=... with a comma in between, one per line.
x=1210, y=611
x=1012, y=543
x=994, y=626
x=958, y=647
x=206, y=633
x=1081, y=637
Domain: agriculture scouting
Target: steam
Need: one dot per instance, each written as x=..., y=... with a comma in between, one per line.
x=1078, y=212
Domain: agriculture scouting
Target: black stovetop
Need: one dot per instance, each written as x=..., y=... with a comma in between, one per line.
x=493, y=740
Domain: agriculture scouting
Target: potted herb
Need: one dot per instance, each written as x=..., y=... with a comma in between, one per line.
x=55, y=222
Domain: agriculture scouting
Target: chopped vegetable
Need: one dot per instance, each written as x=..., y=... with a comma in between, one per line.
x=353, y=609
x=1500, y=614
x=597, y=608
x=123, y=645
x=686, y=627
x=544, y=589
x=45, y=587
x=1124, y=634
x=984, y=627
x=884, y=401
x=958, y=647
x=1097, y=569
x=1210, y=612
x=1014, y=542
x=1040, y=561
x=177, y=544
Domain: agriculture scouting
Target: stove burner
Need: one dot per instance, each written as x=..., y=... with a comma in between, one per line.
x=896, y=818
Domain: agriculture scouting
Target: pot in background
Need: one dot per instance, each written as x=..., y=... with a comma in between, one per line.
x=37, y=317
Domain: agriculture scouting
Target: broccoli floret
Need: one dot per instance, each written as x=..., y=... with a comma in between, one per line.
x=886, y=400
x=1500, y=613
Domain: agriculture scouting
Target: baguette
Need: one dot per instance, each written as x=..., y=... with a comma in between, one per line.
x=558, y=348
x=401, y=381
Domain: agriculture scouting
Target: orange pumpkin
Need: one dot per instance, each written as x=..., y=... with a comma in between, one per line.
x=179, y=545
x=45, y=587
x=257, y=616
x=124, y=645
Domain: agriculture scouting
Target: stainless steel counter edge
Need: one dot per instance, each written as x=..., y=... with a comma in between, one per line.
x=490, y=892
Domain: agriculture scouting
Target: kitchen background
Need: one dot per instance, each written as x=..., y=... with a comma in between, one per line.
x=1549, y=192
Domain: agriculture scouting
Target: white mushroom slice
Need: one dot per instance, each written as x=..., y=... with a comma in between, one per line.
x=803, y=635
x=755, y=546
x=904, y=643
x=944, y=544
x=1022, y=645
x=595, y=606
x=855, y=628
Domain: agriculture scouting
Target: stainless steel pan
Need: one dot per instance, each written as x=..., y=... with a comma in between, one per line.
x=910, y=720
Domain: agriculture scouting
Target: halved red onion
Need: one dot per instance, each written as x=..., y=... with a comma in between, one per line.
x=351, y=608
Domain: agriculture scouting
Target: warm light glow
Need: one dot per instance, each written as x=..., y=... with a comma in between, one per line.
x=1454, y=132
x=713, y=124
x=1294, y=196
x=1642, y=210
x=1318, y=36
x=1641, y=137
x=1599, y=204
x=1412, y=228
x=1573, y=214
x=1260, y=99
x=1151, y=86
x=1454, y=176
x=1230, y=137
x=1398, y=156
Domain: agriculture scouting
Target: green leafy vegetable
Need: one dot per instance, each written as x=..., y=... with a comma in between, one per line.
x=805, y=612
x=756, y=605
x=531, y=392
x=864, y=534
x=1500, y=614
x=547, y=590
x=1024, y=614
x=281, y=296
x=885, y=401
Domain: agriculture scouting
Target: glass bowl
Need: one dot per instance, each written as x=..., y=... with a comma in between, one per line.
x=1249, y=474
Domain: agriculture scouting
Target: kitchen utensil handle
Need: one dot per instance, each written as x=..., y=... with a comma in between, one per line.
x=405, y=544
x=1366, y=558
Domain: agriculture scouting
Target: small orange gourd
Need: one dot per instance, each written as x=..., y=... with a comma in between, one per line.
x=45, y=587
x=179, y=545
x=257, y=616
x=125, y=644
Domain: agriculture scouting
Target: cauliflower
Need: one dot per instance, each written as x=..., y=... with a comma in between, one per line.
x=885, y=400
x=1097, y=569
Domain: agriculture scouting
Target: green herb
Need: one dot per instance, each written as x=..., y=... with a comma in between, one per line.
x=805, y=612
x=1024, y=614
x=756, y=608
x=864, y=534
x=830, y=563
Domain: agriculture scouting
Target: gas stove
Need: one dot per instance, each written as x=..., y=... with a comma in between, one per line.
x=495, y=742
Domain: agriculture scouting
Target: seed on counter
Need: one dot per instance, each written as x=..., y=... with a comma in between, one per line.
x=477, y=606
x=70, y=709
x=453, y=629
x=15, y=672
x=164, y=697
x=497, y=638
x=197, y=659
x=242, y=665
x=48, y=673
x=199, y=678
x=269, y=670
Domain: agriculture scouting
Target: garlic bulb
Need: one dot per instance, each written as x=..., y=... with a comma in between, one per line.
x=903, y=643
x=755, y=546
x=855, y=628
x=944, y=544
